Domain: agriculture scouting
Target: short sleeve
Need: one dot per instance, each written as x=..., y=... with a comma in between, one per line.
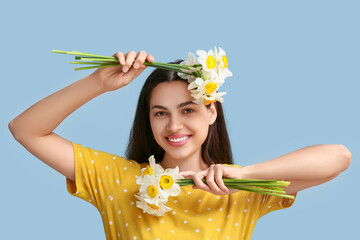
x=96, y=174
x=273, y=203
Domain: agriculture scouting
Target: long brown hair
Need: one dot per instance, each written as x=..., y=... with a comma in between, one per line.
x=142, y=144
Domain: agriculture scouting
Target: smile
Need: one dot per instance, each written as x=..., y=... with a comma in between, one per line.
x=177, y=141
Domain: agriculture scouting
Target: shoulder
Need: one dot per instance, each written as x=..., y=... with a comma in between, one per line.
x=99, y=157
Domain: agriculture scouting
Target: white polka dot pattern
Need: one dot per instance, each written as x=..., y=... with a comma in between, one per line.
x=108, y=182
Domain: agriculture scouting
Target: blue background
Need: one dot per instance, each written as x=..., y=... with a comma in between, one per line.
x=295, y=83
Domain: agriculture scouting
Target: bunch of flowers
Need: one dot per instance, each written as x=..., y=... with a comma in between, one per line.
x=205, y=73
x=157, y=184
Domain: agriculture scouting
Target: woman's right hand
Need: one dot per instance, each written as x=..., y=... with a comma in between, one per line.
x=112, y=78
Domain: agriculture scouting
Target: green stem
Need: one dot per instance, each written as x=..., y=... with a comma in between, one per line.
x=256, y=188
x=82, y=54
x=268, y=193
x=99, y=59
x=95, y=57
x=90, y=63
x=169, y=64
x=97, y=66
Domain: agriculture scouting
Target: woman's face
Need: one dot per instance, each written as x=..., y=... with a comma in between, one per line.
x=179, y=126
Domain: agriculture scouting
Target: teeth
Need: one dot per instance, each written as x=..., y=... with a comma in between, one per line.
x=178, y=139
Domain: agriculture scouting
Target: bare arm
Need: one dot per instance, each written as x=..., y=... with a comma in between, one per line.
x=306, y=167
x=34, y=127
x=44, y=116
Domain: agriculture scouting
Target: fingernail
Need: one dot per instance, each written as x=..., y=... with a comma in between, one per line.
x=125, y=69
x=136, y=65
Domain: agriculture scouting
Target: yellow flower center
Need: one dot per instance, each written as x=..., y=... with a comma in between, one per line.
x=166, y=181
x=152, y=191
x=148, y=170
x=210, y=62
x=224, y=59
x=153, y=206
x=210, y=87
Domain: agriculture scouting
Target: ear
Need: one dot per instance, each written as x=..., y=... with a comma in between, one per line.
x=212, y=113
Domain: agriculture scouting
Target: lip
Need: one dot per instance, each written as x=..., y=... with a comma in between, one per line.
x=177, y=144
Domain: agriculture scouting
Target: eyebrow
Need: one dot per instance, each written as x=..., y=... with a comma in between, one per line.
x=178, y=106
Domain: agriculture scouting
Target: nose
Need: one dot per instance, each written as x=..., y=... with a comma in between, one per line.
x=175, y=123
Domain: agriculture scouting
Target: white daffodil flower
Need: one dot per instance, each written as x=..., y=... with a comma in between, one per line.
x=168, y=181
x=150, y=208
x=156, y=185
x=222, y=64
x=205, y=91
x=214, y=70
x=151, y=189
x=151, y=169
x=189, y=61
x=208, y=63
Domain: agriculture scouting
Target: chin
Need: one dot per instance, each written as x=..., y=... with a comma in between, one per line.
x=180, y=154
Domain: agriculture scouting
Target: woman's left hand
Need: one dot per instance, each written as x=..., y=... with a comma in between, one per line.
x=214, y=178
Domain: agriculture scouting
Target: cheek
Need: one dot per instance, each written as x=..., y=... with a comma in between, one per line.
x=201, y=126
x=156, y=128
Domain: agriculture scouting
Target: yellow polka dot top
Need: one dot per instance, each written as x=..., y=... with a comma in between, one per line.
x=107, y=181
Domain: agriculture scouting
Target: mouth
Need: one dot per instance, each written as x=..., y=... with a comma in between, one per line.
x=178, y=140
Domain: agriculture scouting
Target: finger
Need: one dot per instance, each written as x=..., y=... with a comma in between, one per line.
x=140, y=59
x=120, y=56
x=133, y=73
x=130, y=56
x=150, y=58
x=210, y=180
x=199, y=183
x=219, y=178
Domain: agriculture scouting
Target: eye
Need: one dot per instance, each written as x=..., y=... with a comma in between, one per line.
x=188, y=110
x=160, y=114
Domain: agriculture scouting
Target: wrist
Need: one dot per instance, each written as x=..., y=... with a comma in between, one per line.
x=238, y=172
x=245, y=173
x=96, y=82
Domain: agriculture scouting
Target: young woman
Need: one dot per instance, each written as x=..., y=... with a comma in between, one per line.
x=177, y=132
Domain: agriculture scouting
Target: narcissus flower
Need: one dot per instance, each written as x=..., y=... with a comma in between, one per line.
x=153, y=170
x=156, y=185
x=168, y=181
x=205, y=91
x=151, y=208
x=211, y=75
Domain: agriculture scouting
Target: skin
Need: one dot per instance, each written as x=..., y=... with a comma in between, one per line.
x=168, y=119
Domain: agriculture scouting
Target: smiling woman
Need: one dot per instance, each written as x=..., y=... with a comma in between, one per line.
x=178, y=132
x=166, y=113
x=182, y=128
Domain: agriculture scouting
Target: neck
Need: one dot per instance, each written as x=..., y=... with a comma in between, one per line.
x=192, y=163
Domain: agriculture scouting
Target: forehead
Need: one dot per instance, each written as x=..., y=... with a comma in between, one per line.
x=170, y=94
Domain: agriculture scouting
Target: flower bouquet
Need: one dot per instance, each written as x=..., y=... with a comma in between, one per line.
x=157, y=184
x=205, y=73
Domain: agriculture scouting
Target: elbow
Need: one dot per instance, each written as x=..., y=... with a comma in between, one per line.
x=12, y=130
x=11, y=127
x=344, y=159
